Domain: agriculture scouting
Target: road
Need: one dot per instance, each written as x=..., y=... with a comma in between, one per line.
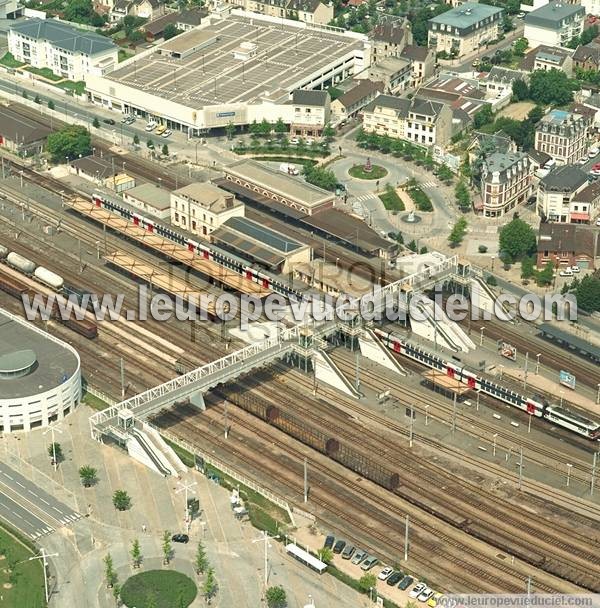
x=22, y=519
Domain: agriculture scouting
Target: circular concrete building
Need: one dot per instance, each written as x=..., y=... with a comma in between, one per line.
x=40, y=376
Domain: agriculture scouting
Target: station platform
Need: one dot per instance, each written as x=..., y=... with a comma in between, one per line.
x=216, y=272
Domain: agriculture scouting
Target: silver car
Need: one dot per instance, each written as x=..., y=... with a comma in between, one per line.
x=369, y=563
x=359, y=557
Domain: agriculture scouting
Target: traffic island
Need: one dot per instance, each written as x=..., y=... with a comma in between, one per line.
x=367, y=171
x=159, y=588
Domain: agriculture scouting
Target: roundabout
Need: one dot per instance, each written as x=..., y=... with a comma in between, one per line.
x=367, y=171
x=166, y=588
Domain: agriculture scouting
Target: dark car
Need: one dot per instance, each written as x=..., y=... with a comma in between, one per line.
x=394, y=578
x=339, y=546
x=180, y=538
x=329, y=542
x=406, y=582
x=109, y=121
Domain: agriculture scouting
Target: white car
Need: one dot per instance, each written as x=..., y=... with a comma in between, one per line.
x=417, y=590
x=593, y=152
x=575, y=269
x=151, y=126
x=385, y=573
x=425, y=594
x=567, y=272
x=167, y=133
x=294, y=141
x=598, y=222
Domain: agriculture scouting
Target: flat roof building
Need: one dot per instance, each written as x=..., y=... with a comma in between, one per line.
x=332, y=279
x=554, y=24
x=150, y=198
x=235, y=70
x=465, y=28
x=260, y=244
x=279, y=188
x=20, y=134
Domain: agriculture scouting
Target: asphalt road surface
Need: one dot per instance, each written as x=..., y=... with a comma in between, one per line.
x=22, y=519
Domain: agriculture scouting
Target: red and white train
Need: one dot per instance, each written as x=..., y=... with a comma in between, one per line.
x=560, y=416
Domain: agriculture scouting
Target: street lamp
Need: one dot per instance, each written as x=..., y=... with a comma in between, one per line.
x=494, y=450
x=52, y=428
x=561, y=398
x=265, y=538
x=537, y=363
x=185, y=487
x=598, y=395
x=43, y=556
x=569, y=467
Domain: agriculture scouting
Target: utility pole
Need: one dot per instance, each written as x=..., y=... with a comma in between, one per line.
x=52, y=428
x=525, y=371
x=305, y=479
x=454, y=414
x=494, y=448
x=520, y=468
x=225, y=419
x=122, y=378
x=412, y=421
x=537, y=364
x=357, y=371
x=79, y=251
x=569, y=467
x=265, y=539
x=481, y=329
x=44, y=557
x=478, y=396
x=187, y=487
x=528, y=587
x=593, y=473
x=406, y=539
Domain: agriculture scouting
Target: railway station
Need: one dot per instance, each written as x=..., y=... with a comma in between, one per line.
x=570, y=341
x=445, y=385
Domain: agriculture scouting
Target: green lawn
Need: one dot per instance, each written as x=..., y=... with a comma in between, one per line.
x=391, y=200
x=377, y=172
x=77, y=87
x=421, y=200
x=123, y=55
x=168, y=589
x=10, y=62
x=44, y=73
x=94, y=402
x=26, y=578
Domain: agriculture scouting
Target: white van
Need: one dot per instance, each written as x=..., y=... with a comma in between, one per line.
x=550, y=164
x=289, y=169
x=567, y=272
x=593, y=152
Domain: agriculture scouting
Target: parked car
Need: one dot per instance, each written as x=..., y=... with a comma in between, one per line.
x=425, y=595
x=359, y=557
x=567, y=272
x=166, y=133
x=180, y=538
x=406, y=582
x=417, y=590
x=394, y=578
x=432, y=602
x=593, y=151
x=387, y=571
x=108, y=121
x=339, y=546
x=329, y=541
x=294, y=141
x=348, y=552
x=369, y=563
x=150, y=126
x=160, y=129
x=598, y=222
x=575, y=269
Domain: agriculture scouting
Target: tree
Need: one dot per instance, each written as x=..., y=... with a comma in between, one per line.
x=366, y=582
x=483, y=117
x=458, y=232
x=516, y=240
x=166, y=546
x=136, y=553
x=328, y=132
x=230, y=130
x=520, y=46
x=71, y=141
x=165, y=150
x=135, y=36
x=170, y=31
x=546, y=275
x=587, y=293
x=520, y=90
x=150, y=144
x=535, y=115
x=325, y=555
x=37, y=99
x=88, y=476
x=79, y=11
x=96, y=123
x=50, y=104
x=280, y=127
x=117, y=593
x=527, y=267
x=55, y=452
x=550, y=87
x=463, y=197
x=200, y=559
x=209, y=588
x=319, y=176
x=110, y=576
x=24, y=94
x=445, y=173
x=136, y=140
x=276, y=597
x=121, y=500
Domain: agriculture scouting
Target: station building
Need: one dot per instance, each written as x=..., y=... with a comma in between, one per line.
x=231, y=70
x=40, y=376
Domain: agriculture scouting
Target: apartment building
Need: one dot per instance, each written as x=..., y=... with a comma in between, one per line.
x=506, y=181
x=312, y=111
x=390, y=39
x=202, y=207
x=565, y=195
x=351, y=102
x=417, y=120
x=308, y=11
x=465, y=28
x=567, y=245
x=394, y=72
x=422, y=63
x=554, y=24
x=10, y=9
x=562, y=135
x=67, y=51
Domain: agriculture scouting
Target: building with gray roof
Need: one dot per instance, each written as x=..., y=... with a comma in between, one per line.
x=20, y=134
x=67, y=51
x=506, y=181
x=40, y=376
x=554, y=24
x=151, y=199
x=563, y=135
x=464, y=28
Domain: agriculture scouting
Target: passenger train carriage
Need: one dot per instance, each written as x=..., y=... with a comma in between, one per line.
x=559, y=416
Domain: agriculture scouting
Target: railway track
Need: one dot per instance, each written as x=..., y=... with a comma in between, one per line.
x=565, y=553
x=374, y=514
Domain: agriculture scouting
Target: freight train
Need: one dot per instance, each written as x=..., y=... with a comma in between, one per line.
x=18, y=289
x=205, y=251
x=558, y=415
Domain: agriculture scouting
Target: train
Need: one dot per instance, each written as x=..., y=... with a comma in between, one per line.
x=205, y=251
x=18, y=289
x=538, y=407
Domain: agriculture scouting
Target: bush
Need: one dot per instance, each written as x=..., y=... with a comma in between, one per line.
x=491, y=280
x=167, y=588
x=482, y=249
